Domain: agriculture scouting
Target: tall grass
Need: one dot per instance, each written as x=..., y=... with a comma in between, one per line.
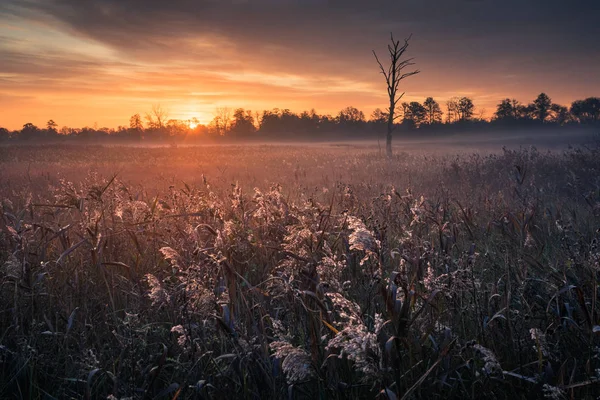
x=331, y=274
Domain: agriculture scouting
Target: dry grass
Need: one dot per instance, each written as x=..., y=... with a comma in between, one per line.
x=298, y=272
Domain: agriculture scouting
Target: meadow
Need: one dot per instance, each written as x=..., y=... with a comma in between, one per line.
x=300, y=272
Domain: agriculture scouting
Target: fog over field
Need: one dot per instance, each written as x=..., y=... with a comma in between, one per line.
x=302, y=270
x=188, y=162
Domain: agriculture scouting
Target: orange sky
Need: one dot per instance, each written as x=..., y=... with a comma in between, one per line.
x=84, y=63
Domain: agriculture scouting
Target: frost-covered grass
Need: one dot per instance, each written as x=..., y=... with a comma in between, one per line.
x=298, y=272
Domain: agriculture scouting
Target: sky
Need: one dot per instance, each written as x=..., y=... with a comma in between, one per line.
x=86, y=63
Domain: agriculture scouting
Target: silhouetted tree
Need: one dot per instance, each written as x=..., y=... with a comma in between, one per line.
x=135, y=123
x=465, y=109
x=222, y=120
x=29, y=132
x=393, y=76
x=528, y=112
x=243, y=123
x=176, y=129
x=67, y=131
x=90, y=134
x=378, y=116
x=508, y=110
x=134, y=131
x=559, y=114
x=314, y=117
x=309, y=123
x=4, y=135
x=157, y=117
x=270, y=122
x=50, y=133
x=522, y=112
x=433, y=111
x=415, y=114
x=541, y=107
x=452, y=110
x=586, y=111
x=289, y=121
x=51, y=126
x=351, y=115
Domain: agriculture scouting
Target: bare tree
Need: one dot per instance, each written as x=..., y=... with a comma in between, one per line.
x=222, y=120
x=452, y=110
x=481, y=114
x=157, y=118
x=393, y=75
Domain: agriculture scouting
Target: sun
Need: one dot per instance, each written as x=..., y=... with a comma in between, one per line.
x=193, y=122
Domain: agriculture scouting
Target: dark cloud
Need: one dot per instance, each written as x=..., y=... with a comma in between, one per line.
x=333, y=28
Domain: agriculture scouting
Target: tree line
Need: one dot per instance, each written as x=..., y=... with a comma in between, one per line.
x=457, y=114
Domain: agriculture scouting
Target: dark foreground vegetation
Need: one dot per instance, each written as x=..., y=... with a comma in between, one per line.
x=342, y=275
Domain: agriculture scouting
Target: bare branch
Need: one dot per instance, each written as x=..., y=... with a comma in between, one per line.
x=381, y=66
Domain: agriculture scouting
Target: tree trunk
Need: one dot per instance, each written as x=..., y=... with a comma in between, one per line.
x=388, y=143
x=390, y=128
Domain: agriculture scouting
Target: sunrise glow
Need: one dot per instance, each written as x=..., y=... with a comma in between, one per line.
x=75, y=61
x=193, y=123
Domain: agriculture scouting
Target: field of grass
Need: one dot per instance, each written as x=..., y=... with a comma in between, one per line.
x=300, y=272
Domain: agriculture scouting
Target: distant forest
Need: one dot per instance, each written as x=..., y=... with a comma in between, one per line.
x=456, y=115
